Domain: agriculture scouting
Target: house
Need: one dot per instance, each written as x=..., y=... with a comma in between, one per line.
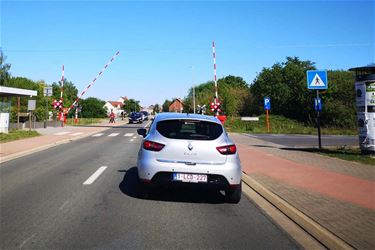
x=176, y=106
x=122, y=99
x=115, y=106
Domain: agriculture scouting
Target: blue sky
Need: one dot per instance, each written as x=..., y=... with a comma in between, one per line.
x=160, y=41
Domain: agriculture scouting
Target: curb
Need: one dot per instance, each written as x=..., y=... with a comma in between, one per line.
x=324, y=236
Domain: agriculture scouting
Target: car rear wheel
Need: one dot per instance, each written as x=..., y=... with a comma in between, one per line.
x=234, y=195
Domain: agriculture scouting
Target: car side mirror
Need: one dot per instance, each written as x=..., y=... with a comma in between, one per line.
x=142, y=132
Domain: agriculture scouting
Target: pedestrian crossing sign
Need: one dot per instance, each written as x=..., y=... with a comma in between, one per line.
x=317, y=79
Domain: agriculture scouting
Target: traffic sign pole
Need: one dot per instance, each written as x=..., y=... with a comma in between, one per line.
x=268, y=122
x=267, y=106
x=318, y=122
x=45, y=123
x=317, y=79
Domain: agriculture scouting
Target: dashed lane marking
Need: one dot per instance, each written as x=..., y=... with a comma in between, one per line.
x=95, y=175
x=97, y=135
x=129, y=134
x=131, y=139
x=114, y=134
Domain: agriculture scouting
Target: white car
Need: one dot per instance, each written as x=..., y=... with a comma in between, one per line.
x=188, y=148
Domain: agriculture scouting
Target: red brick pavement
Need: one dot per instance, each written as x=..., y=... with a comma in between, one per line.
x=342, y=187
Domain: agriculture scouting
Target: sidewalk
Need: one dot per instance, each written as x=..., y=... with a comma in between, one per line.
x=50, y=137
x=339, y=195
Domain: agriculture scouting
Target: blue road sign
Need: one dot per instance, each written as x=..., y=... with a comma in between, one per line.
x=318, y=104
x=267, y=103
x=317, y=79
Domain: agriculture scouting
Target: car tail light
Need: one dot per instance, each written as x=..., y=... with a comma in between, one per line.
x=152, y=146
x=227, y=150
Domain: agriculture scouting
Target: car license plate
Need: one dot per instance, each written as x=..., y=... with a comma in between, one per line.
x=189, y=177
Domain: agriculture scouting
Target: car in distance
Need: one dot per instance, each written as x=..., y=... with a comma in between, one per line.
x=146, y=115
x=191, y=149
x=136, y=117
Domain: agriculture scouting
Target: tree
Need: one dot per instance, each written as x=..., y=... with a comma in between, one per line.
x=131, y=105
x=156, y=109
x=285, y=84
x=92, y=108
x=166, y=105
x=234, y=96
x=339, y=100
x=4, y=70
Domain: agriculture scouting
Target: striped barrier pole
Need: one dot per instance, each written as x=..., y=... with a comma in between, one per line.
x=93, y=81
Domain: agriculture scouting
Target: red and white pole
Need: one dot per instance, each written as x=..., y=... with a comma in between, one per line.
x=216, y=102
x=93, y=81
x=76, y=117
x=62, y=84
x=61, y=113
x=215, y=79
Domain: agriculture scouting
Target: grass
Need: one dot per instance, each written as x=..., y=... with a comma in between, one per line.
x=349, y=154
x=85, y=121
x=280, y=125
x=17, y=135
x=343, y=152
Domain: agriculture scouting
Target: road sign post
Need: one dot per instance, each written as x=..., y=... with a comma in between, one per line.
x=31, y=104
x=267, y=106
x=317, y=79
x=318, y=122
x=47, y=92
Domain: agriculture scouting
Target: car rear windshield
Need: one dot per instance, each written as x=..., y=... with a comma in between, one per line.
x=189, y=129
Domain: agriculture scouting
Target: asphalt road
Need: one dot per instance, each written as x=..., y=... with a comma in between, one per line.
x=307, y=140
x=46, y=205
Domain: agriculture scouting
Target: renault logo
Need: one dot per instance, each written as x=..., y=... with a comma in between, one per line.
x=190, y=147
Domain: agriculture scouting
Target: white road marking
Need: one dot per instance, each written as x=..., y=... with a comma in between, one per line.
x=114, y=134
x=24, y=242
x=62, y=133
x=64, y=205
x=129, y=134
x=131, y=139
x=134, y=137
x=78, y=133
x=97, y=135
x=95, y=175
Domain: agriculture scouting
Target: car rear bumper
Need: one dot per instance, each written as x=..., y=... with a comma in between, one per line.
x=213, y=181
x=223, y=175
